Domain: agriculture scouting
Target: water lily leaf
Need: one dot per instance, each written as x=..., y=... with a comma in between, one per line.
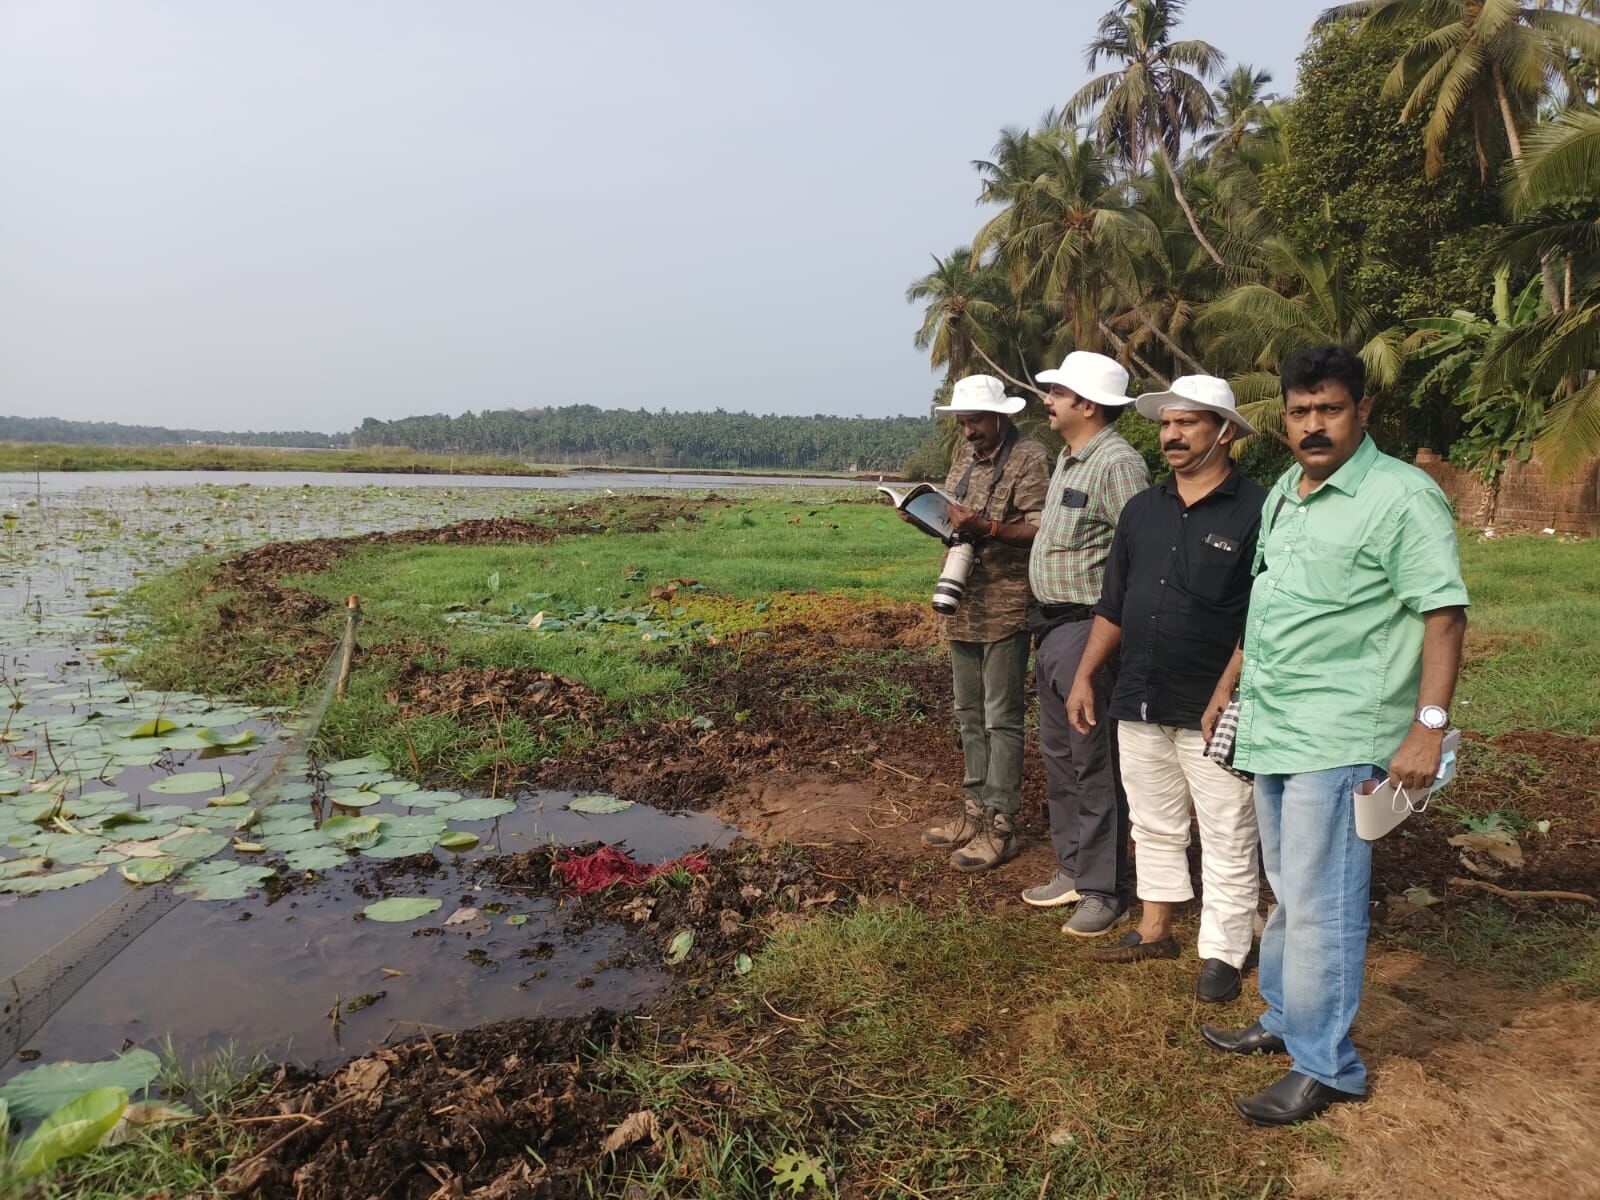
x=229, y=881
x=293, y=840
x=421, y=825
x=477, y=808
x=356, y=766
x=213, y=818
x=402, y=847
x=68, y=849
x=680, y=945
x=212, y=738
x=121, y=817
x=396, y=787
x=192, y=845
x=153, y=728
x=459, y=840
x=42, y=1090
x=352, y=833
x=517, y=919
x=147, y=870
x=73, y=1129
x=12, y=868
x=353, y=798
x=599, y=804
x=229, y=800
x=401, y=908
x=429, y=799
x=192, y=783
x=317, y=858
x=248, y=847
x=295, y=789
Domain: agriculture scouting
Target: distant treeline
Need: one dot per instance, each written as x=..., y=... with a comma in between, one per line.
x=584, y=434
x=108, y=433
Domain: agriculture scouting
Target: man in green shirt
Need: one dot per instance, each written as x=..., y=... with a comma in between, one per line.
x=1350, y=654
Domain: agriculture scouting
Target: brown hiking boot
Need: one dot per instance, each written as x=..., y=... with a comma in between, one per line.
x=995, y=843
x=961, y=830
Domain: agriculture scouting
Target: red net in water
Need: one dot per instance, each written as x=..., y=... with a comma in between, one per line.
x=606, y=866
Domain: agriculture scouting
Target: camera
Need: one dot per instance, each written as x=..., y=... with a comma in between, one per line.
x=953, y=577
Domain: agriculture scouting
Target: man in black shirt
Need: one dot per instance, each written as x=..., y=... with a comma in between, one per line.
x=1176, y=590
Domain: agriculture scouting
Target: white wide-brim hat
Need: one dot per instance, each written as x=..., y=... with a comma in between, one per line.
x=981, y=394
x=1195, y=392
x=1094, y=377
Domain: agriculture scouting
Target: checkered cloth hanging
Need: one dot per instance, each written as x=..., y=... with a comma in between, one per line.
x=1220, y=748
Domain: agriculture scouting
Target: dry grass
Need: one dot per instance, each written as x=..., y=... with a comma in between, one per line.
x=1511, y=1118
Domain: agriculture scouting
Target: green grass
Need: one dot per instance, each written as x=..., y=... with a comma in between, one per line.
x=965, y=1055
x=753, y=560
x=45, y=456
x=1558, y=947
x=186, y=1159
x=1533, y=648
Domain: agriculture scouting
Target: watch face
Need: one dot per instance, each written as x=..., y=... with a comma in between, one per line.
x=1434, y=717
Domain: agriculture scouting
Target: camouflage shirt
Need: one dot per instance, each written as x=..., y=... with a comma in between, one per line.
x=996, y=599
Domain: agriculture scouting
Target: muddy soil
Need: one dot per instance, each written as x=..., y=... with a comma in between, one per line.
x=508, y=1110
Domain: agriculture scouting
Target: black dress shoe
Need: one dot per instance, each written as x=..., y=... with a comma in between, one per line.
x=1254, y=1040
x=1219, y=982
x=1132, y=948
x=1293, y=1099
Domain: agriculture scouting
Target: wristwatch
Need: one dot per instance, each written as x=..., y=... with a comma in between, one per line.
x=1431, y=716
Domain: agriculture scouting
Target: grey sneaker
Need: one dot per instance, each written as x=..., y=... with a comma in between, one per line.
x=963, y=829
x=1095, y=917
x=994, y=844
x=1058, y=891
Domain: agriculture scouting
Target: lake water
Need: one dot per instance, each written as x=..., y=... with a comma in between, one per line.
x=581, y=481
x=257, y=973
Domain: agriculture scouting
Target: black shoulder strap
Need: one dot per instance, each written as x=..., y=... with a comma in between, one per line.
x=1012, y=436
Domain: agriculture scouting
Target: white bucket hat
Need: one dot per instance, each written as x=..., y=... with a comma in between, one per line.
x=981, y=394
x=1195, y=392
x=1093, y=376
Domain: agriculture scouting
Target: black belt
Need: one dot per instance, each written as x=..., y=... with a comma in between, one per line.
x=1061, y=613
x=1042, y=618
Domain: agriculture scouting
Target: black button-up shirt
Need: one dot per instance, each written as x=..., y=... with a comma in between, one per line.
x=1178, y=584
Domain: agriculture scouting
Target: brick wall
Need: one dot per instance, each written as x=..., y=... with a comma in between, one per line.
x=1527, y=497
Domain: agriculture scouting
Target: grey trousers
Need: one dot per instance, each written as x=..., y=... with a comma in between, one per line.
x=1087, y=806
x=990, y=681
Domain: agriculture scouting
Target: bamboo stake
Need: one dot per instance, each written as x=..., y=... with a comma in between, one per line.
x=352, y=607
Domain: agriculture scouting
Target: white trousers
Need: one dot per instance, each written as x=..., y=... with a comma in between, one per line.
x=1168, y=778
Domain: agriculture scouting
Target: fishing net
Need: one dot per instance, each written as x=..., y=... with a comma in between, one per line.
x=38, y=989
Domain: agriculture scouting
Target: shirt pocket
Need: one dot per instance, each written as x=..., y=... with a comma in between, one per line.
x=1323, y=570
x=1215, y=567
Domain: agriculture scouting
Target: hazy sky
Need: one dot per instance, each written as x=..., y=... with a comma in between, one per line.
x=298, y=213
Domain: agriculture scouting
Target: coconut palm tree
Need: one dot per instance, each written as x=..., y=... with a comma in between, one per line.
x=960, y=310
x=1066, y=233
x=1473, y=57
x=1156, y=94
x=1558, y=354
x=1306, y=299
x=1242, y=103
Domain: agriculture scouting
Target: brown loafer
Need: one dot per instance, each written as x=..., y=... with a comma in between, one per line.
x=1132, y=949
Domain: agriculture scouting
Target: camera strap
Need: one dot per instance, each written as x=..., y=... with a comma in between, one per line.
x=1002, y=456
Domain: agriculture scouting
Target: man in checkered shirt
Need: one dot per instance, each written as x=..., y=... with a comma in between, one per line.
x=1096, y=474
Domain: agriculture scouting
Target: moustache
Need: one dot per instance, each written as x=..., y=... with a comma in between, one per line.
x=1176, y=446
x=1316, y=441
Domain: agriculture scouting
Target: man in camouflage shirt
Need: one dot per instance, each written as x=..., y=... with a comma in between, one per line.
x=998, y=479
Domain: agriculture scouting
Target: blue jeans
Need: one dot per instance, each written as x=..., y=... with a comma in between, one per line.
x=1314, y=948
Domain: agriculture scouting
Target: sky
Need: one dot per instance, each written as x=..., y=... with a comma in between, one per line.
x=294, y=214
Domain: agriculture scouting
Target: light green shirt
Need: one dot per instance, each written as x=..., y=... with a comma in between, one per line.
x=1333, y=642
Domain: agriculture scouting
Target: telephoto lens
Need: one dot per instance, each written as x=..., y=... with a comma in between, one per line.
x=953, y=578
